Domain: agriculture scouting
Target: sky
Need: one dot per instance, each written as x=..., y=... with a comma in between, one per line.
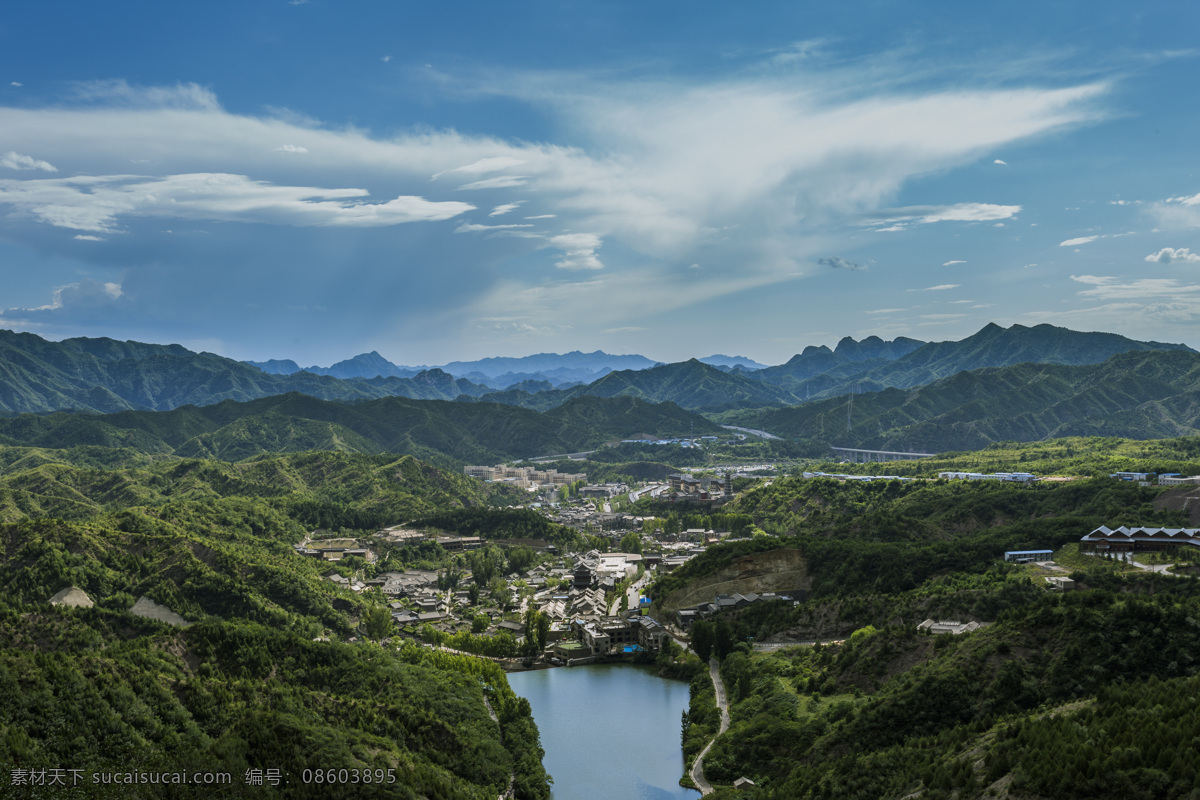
x=309, y=179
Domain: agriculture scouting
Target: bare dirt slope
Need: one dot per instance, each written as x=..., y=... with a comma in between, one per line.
x=774, y=571
x=1185, y=498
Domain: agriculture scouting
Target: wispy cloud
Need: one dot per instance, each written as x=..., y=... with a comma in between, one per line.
x=952, y=263
x=501, y=182
x=924, y=215
x=837, y=262
x=1112, y=288
x=471, y=227
x=941, y=287
x=96, y=203
x=1178, y=212
x=505, y=208
x=746, y=175
x=1078, y=241
x=13, y=160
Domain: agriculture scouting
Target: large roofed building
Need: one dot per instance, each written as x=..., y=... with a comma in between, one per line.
x=1129, y=540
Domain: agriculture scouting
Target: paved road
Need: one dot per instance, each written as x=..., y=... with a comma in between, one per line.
x=714, y=671
x=763, y=434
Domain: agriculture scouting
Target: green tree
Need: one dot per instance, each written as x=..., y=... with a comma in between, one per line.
x=520, y=558
x=377, y=622
x=631, y=543
x=702, y=639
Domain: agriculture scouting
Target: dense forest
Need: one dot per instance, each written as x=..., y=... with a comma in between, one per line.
x=1086, y=693
x=271, y=672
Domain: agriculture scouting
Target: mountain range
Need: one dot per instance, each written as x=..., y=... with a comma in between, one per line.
x=1137, y=394
x=794, y=399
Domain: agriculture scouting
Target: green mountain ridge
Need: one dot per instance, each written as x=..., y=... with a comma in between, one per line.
x=437, y=429
x=1139, y=395
x=106, y=376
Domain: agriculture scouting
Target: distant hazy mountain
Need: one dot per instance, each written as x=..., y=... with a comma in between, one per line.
x=874, y=347
x=732, y=361
x=549, y=364
x=992, y=346
x=1138, y=394
x=564, y=376
x=276, y=366
x=365, y=365
x=103, y=375
x=689, y=384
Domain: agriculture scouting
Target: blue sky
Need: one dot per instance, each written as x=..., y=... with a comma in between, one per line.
x=312, y=180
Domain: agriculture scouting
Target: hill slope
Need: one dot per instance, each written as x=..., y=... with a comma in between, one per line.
x=1139, y=395
x=462, y=432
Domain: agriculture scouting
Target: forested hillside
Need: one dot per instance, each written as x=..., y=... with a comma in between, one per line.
x=439, y=430
x=1141, y=395
x=267, y=675
x=1078, y=694
x=104, y=375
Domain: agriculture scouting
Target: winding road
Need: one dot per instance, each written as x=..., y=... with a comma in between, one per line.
x=714, y=670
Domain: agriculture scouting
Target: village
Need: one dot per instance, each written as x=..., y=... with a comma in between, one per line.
x=490, y=594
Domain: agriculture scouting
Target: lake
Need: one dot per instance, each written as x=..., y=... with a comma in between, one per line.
x=609, y=730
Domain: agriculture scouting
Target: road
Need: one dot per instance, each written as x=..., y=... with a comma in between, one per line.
x=571, y=456
x=654, y=490
x=714, y=671
x=632, y=596
x=763, y=434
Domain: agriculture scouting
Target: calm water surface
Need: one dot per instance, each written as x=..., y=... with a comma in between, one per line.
x=608, y=730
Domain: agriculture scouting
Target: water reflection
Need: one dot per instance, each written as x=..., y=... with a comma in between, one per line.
x=608, y=730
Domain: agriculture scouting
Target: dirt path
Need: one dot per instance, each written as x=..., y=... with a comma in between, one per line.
x=714, y=671
x=512, y=776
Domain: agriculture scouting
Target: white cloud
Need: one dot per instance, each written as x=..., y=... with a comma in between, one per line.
x=291, y=148
x=87, y=237
x=1001, y=163
x=501, y=182
x=952, y=263
x=22, y=162
x=886, y=310
x=960, y=212
x=96, y=203
x=1079, y=240
x=81, y=298
x=181, y=96
x=941, y=287
x=1111, y=288
x=750, y=173
x=16, y=83
x=942, y=317
x=1178, y=212
x=505, y=208
x=1170, y=255
x=484, y=166
x=470, y=227
x=579, y=251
